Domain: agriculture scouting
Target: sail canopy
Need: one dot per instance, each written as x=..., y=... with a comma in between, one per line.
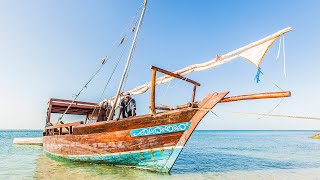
x=253, y=52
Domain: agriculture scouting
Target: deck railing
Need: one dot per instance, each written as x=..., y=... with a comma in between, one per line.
x=58, y=129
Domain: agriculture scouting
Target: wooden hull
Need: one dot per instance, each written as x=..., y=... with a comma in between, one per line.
x=147, y=142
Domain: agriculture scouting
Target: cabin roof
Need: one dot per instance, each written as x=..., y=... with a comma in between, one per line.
x=78, y=107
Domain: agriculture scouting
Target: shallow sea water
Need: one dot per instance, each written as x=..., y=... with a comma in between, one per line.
x=207, y=155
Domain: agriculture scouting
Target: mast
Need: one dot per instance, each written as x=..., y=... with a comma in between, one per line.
x=128, y=60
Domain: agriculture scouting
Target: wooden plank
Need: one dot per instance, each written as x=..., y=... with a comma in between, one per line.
x=169, y=117
x=183, y=106
x=64, y=125
x=57, y=108
x=257, y=96
x=69, y=101
x=28, y=141
x=80, y=106
x=175, y=75
x=103, y=143
x=71, y=111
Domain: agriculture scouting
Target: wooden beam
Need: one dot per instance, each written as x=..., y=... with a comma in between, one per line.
x=265, y=95
x=153, y=91
x=69, y=101
x=64, y=125
x=175, y=75
x=183, y=106
x=73, y=105
x=49, y=111
x=193, y=93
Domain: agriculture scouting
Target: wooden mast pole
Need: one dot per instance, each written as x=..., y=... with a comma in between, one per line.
x=153, y=92
x=128, y=61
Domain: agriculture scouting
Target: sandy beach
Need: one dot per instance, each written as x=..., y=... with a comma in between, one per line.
x=317, y=136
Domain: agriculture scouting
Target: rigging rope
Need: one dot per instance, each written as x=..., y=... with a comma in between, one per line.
x=217, y=115
x=273, y=115
x=102, y=63
x=126, y=42
x=77, y=95
x=269, y=112
x=270, y=80
x=113, y=71
x=274, y=85
x=134, y=48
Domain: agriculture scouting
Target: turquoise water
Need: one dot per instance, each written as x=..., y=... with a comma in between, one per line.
x=208, y=155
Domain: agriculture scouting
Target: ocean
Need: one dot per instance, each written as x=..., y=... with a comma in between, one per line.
x=207, y=155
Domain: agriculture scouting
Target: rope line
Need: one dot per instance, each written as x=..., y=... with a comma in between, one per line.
x=269, y=112
x=114, y=69
x=270, y=80
x=102, y=63
x=217, y=115
x=110, y=77
x=273, y=115
x=126, y=42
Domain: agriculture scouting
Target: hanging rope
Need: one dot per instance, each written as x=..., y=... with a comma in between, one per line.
x=284, y=58
x=279, y=48
x=270, y=80
x=260, y=72
x=257, y=77
x=272, y=115
x=281, y=42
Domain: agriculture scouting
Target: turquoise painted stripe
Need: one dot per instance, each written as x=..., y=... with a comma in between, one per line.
x=154, y=159
x=164, y=129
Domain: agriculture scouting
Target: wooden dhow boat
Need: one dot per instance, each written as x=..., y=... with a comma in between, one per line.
x=151, y=141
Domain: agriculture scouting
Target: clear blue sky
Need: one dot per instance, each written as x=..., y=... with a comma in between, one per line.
x=50, y=48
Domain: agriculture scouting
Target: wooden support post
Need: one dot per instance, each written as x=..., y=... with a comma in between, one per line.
x=153, y=92
x=194, y=93
x=49, y=111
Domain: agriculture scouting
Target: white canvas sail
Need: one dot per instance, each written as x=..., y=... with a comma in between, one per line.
x=256, y=54
x=253, y=52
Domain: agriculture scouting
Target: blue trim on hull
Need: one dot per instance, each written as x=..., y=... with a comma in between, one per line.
x=156, y=160
x=165, y=129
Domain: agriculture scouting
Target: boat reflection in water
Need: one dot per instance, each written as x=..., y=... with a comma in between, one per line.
x=47, y=168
